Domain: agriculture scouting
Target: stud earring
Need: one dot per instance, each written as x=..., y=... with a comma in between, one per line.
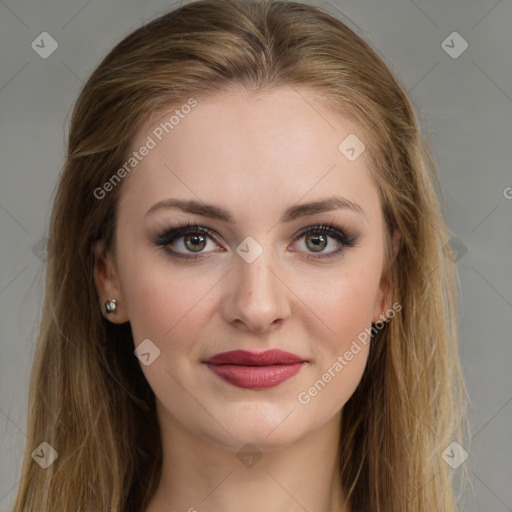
x=110, y=306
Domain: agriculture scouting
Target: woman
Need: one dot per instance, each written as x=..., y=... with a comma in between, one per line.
x=249, y=299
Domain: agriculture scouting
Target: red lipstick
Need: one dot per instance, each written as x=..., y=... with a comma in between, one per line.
x=255, y=370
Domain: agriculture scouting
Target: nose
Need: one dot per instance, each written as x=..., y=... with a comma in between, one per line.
x=255, y=296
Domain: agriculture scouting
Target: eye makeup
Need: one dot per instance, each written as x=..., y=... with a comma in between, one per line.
x=344, y=238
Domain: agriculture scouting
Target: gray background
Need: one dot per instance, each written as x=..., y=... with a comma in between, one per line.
x=467, y=106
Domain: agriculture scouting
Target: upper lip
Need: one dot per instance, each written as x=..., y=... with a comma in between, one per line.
x=266, y=358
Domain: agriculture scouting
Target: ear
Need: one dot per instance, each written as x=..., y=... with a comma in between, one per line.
x=107, y=283
x=384, y=298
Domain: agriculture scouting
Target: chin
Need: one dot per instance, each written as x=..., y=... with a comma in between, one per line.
x=269, y=428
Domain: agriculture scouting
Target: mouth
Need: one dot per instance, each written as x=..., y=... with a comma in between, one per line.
x=255, y=370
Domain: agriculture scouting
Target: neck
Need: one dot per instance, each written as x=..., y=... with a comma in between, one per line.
x=200, y=475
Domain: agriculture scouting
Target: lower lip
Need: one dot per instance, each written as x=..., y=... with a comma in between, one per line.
x=255, y=377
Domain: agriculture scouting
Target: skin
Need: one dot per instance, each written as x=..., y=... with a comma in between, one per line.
x=256, y=155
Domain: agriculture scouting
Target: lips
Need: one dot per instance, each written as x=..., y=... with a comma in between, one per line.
x=255, y=370
x=242, y=357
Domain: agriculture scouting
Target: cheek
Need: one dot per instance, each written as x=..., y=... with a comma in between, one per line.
x=343, y=302
x=340, y=353
x=160, y=299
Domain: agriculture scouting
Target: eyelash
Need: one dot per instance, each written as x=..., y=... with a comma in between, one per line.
x=170, y=235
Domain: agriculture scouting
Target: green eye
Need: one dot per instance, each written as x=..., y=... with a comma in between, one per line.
x=195, y=239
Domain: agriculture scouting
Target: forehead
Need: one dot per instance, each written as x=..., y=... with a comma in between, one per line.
x=277, y=146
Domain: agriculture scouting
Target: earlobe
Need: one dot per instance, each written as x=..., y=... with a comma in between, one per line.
x=108, y=286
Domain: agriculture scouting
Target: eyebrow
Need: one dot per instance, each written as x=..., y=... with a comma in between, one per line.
x=293, y=212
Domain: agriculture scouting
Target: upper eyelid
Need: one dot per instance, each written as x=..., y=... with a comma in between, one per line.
x=202, y=229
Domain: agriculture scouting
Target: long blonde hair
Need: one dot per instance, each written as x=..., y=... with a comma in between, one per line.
x=88, y=397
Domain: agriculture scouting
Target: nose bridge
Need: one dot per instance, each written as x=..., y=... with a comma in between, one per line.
x=257, y=297
x=256, y=276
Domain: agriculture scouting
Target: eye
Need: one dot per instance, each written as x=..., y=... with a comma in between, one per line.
x=316, y=239
x=192, y=238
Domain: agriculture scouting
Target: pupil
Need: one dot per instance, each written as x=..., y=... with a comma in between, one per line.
x=318, y=241
x=194, y=239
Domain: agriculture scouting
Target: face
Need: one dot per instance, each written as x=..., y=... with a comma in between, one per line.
x=274, y=276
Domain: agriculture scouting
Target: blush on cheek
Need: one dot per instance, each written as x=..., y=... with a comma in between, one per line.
x=344, y=305
x=178, y=325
